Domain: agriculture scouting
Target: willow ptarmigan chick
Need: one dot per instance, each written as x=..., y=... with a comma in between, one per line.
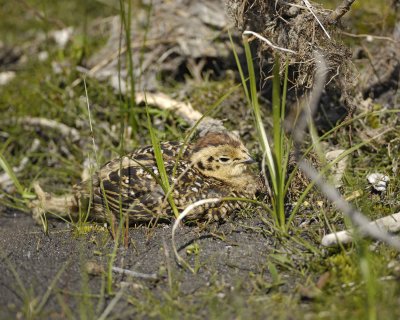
x=217, y=165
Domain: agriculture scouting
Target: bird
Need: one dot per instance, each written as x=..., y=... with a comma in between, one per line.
x=217, y=165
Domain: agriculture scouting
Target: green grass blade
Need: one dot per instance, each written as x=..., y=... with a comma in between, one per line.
x=284, y=91
x=160, y=163
x=283, y=106
x=257, y=115
x=7, y=169
x=276, y=116
x=239, y=66
x=328, y=167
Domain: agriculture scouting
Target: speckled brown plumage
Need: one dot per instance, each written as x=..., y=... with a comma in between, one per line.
x=215, y=166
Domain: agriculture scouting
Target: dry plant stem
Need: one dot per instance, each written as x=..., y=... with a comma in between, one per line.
x=184, y=110
x=47, y=203
x=364, y=35
x=309, y=7
x=340, y=11
x=184, y=213
x=90, y=121
x=161, y=100
x=268, y=42
x=135, y=274
x=64, y=130
x=389, y=223
x=5, y=180
x=356, y=217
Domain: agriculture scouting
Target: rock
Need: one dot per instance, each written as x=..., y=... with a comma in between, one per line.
x=379, y=181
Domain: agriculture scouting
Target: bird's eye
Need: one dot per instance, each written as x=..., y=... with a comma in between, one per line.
x=224, y=159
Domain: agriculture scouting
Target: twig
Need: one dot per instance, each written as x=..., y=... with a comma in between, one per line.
x=60, y=206
x=368, y=36
x=135, y=274
x=308, y=5
x=340, y=11
x=161, y=100
x=167, y=263
x=196, y=119
x=268, y=42
x=306, y=115
x=389, y=223
x=64, y=130
x=91, y=126
x=178, y=221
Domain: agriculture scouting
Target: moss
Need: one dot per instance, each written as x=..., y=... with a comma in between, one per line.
x=342, y=268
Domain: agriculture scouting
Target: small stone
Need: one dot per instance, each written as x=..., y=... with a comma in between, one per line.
x=378, y=180
x=394, y=267
x=61, y=37
x=6, y=77
x=43, y=55
x=93, y=268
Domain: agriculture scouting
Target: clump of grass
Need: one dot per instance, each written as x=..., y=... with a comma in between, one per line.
x=275, y=155
x=276, y=151
x=24, y=193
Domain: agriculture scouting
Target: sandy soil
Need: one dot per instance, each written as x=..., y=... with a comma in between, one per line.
x=227, y=257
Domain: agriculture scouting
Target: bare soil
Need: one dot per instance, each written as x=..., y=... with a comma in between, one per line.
x=227, y=260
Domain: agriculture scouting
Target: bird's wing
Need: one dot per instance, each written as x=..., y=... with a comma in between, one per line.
x=130, y=185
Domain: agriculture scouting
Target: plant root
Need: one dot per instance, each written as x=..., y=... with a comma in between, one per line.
x=60, y=206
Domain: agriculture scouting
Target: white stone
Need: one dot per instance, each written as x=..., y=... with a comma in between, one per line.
x=378, y=180
x=6, y=77
x=43, y=55
x=61, y=37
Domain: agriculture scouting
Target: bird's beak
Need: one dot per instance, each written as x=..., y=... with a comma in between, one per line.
x=249, y=161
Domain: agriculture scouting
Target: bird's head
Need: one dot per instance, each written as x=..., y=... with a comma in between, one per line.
x=222, y=156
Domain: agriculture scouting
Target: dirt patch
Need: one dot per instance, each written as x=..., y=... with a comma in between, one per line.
x=226, y=261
